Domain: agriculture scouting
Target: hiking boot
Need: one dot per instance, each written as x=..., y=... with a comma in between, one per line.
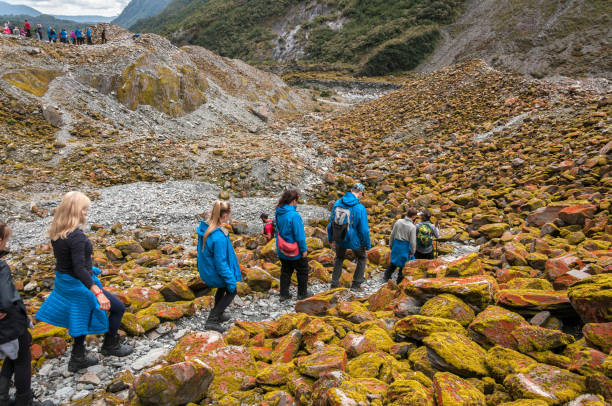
x=25, y=399
x=113, y=347
x=357, y=289
x=284, y=298
x=213, y=324
x=224, y=318
x=81, y=361
x=304, y=296
x=5, y=385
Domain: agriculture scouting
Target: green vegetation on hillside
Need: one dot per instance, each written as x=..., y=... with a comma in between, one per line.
x=372, y=36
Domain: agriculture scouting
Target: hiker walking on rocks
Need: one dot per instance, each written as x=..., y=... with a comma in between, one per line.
x=403, y=244
x=78, y=301
x=39, y=32
x=291, y=245
x=73, y=37
x=348, y=229
x=88, y=34
x=15, y=340
x=217, y=263
x=63, y=36
x=268, y=230
x=103, y=35
x=425, y=234
x=79, y=36
x=27, y=27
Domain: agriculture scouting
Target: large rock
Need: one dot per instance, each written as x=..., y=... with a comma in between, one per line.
x=530, y=301
x=408, y=393
x=592, y=298
x=456, y=353
x=418, y=327
x=331, y=358
x=535, y=338
x=550, y=384
x=559, y=266
x=321, y=303
x=599, y=335
x=140, y=298
x=231, y=365
x=577, y=214
x=195, y=344
x=494, y=326
x=448, y=306
x=175, y=384
x=475, y=290
x=502, y=362
x=176, y=290
x=258, y=279
x=287, y=347
x=450, y=390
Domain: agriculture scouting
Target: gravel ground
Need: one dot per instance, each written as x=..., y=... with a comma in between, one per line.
x=54, y=382
x=171, y=207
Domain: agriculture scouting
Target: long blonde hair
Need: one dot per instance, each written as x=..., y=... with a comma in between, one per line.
x=214, y=220
x=69, y=215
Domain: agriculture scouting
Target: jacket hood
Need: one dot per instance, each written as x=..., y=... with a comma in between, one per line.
x=284, y=209
x=202, y=228
x=350, y=200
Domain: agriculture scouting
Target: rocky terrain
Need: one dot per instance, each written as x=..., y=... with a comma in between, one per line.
x=516, y=171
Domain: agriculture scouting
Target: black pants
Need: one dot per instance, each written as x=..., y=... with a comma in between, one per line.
x=358, y=276
x=223, y=298
x=22, y=366
x=420, y=255
x=287, y=268
x=389, y=273
x=114, y=319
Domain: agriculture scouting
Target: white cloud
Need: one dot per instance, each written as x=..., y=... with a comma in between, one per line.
x=106, y=8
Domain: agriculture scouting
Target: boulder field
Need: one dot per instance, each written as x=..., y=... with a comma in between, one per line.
x=519, y=167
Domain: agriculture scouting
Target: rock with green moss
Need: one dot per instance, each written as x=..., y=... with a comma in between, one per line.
x=357, y=344
x=381, y=339
x=544, y=382
x=494, y=230
x=467, y=265
x=532, y=301
x=129, y=323
x=140, y=298
x=494, y=325
x=231, y=365
x=176, y=290
x=592, y=298
x=408, y=393
x=195, y=344
x=287, y=347
x=448, y=306
x=599, y=335
x=475, y=290
x=525, y=402
x=331, y=358
x=275, y=374
x=529, y=283
x=419, y=360
x=418, y=327
x=175, y=384
x=32, y=80
x=456, y=353
x=369, y=365
x=501, y=362
x=535, y=338
x=450, y=390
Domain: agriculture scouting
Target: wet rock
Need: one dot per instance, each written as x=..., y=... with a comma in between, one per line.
x=174, y=384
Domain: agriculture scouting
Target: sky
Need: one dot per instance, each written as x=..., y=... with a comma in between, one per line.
x=107, y=8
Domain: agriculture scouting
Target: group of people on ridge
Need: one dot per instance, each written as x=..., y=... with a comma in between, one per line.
x=80, y=303
x=76, y=37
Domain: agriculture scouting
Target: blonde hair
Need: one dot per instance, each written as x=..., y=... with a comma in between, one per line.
x=214, y=220
x=69, y=215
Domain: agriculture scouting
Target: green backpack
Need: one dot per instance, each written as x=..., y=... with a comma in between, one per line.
x=424, y=237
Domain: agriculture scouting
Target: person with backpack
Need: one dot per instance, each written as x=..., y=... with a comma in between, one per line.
x=291, y=245
x=88, y=33
x=403, y=244
x=79, y=36
x=63, y=36
x=15, y=339
x=348, y=229
x=217, y=263
x=268, y=229
x=73, y=37
x=78, y=301
x=425, y=234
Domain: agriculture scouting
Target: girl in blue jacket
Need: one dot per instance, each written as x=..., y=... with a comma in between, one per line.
x=291, y=245
x=217, y=263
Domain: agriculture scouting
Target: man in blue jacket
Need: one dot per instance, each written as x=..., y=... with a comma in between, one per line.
x=349, y=222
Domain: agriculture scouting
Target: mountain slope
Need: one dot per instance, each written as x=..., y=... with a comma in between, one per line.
x=138, y=9
x=364, y=36
x=17, y=9
x=45, y=20
x=567, y=37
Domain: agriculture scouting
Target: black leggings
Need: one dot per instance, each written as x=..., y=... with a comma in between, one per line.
x=301, y=268
x=22, y=366
x=223, y=298
x=114, y=319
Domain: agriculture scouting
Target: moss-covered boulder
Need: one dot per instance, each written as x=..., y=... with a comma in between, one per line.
x=599, y=335
x=529, y=283
x=175, y=384
x=370, y=365
x=448, y=306
x=592, y=298
x=287, y=347
x=409, y=392
x=467, y=265
x=418, y=327
x=475, y=290
x=530, y=301
x=357, y=344
x=32, y=80
x=321, y=303
x=231, y=365
x=450, y=390
x=275, y=374
x=535, y=338
x=494, y=326
x=176, y=290
x=195, y=344
x=544, y=382
x=140, y=298
x=331, y=358
x=502, y=361
x=456, y=353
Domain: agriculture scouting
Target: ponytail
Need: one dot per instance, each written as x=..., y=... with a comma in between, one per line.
x=287, y=197
x=214, y=221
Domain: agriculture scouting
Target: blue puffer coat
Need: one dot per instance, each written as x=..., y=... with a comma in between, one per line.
x=289, y=225
x=217, y=263
x=359, y=232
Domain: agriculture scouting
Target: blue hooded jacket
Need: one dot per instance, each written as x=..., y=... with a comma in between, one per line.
x=217, y=263
x=88, y=33
x=289, y=225
x=78, y=33
x=359, y=232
